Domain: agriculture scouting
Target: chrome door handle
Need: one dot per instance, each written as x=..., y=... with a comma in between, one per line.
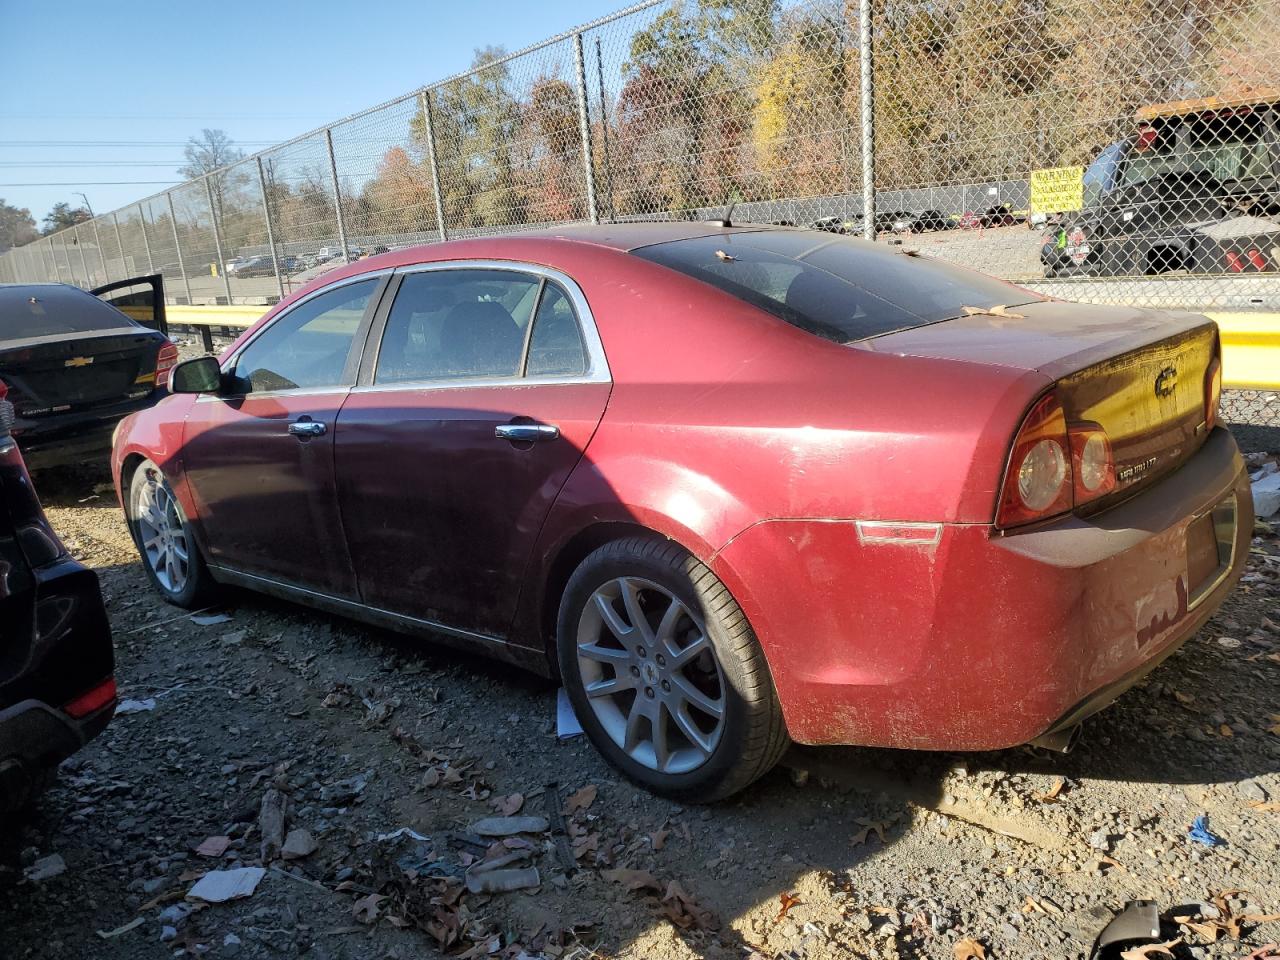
x=307, y=428
x=526, y=431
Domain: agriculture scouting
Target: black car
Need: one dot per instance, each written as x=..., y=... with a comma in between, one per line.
x=75, y=364
x=1196, y=189
x=57, y=683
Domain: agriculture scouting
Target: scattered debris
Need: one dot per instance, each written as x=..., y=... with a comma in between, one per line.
x=46, y=868
x=218, y=886
x=135, y=706
x=213, y=847
x=210, y=619
x=1199, y=832
x=271, y=819
x=402, y=832
x=509, y=826
x=112, y=934
x=969, y=949
x=567, y=725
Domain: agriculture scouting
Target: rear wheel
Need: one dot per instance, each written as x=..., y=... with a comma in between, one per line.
x=169, y=553
x=665, y=673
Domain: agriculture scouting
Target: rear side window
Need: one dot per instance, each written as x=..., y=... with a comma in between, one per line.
x=30, y=312
x=469, y=324
x=837, y=288
x=308, y=346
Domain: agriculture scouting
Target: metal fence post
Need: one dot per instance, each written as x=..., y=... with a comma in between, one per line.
x=868, y=127
x=124, y=267
x=584, y=128
x=271, y=234
x=146, y=241
x=48, y=274
x=182, y=266
x=97, y=239
x=84, y=262
x=429, y=121
x=604, y=134
x=217, y=239
x=337, y=196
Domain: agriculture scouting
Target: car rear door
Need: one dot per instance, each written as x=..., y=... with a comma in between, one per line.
x=258, y=457
x=487, y=383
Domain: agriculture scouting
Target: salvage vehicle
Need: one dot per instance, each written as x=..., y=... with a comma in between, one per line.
x=734, y=486
x=1196, y=189
x=57, y=684
x=75, y=363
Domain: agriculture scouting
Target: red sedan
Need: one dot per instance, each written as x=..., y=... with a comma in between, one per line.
x=736, y=486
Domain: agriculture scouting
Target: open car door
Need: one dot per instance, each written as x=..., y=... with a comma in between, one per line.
x=139, y=298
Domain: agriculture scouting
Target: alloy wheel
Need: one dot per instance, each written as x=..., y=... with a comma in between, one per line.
x=162, y=534
x=651, y=676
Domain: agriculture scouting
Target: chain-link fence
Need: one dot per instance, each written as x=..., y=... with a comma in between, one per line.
x=1121, y=151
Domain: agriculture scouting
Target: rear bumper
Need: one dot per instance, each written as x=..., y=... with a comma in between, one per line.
x=968, y=640
x=81, y=437
x=35, y=737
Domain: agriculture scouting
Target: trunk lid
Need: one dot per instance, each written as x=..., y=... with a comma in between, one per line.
x=72, y=371
x=1138, y=374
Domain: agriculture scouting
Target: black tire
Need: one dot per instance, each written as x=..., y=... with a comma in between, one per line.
x=752, y=737
x=198, y=588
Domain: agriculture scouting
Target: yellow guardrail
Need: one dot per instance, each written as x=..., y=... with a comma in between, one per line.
x=1250, y=349
x=1250, y=341
x=240, y=316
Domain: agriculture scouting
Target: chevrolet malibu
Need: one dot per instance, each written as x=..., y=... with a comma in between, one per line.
x=734, y=486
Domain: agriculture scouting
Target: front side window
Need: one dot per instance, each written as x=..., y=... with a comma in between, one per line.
x=309, y=345
x=475, y=324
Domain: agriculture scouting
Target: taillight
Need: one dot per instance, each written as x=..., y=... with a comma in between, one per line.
x=1093, y=469
x=97, y=698
x=1038, y=481
x=165, y=360
x=1212, y=393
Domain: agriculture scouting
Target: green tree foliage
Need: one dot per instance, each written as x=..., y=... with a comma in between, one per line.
x=63, y=215
x=16, y=226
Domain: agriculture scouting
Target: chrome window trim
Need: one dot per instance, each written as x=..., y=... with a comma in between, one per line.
x=597, y=363
x=229, y=363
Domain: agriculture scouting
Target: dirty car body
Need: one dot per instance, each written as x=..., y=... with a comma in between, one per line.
x=57, y=688
x=914, y=482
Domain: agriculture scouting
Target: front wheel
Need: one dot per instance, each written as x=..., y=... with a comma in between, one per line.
x=169, y=552
x=665, y=673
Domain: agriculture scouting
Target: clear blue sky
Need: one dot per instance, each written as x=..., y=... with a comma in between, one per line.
x=148, y=75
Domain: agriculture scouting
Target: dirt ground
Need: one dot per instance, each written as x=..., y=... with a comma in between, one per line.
x=348, y=734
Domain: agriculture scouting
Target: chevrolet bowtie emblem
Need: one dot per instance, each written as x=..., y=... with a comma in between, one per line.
x=78, y=362
x=1166, y=381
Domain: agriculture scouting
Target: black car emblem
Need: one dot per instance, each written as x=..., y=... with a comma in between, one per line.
x=1166, y=381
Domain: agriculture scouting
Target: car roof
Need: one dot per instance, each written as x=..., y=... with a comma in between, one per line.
x=629, y=236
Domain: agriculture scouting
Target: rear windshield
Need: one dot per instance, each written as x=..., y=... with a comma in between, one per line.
x=838, y=288
x=28, y=312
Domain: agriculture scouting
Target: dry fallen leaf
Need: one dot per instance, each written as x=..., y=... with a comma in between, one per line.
x=214, y=847
x=366, y=908
x=877, y=827
x=658, y=838
x=785, y=902
x=633, y=879
x=1265, y=806
x=1148, y=950
x=1051, y=795
x=685, y=912
x=1226, y=731
x=969, y=949
x=1268, y=951
x=581, y=799
x=508, y=806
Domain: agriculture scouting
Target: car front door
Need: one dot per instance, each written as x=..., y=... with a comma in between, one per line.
x=486, y=386
x=258, y=457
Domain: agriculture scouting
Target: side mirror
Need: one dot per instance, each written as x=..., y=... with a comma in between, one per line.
x=200, y=375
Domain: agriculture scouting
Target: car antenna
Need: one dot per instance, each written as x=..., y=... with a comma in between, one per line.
x=725, y=221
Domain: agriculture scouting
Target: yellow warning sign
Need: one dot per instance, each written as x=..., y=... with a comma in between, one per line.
x=1057, y=190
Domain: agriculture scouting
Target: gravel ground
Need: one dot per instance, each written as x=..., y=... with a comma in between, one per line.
x=280, y=719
